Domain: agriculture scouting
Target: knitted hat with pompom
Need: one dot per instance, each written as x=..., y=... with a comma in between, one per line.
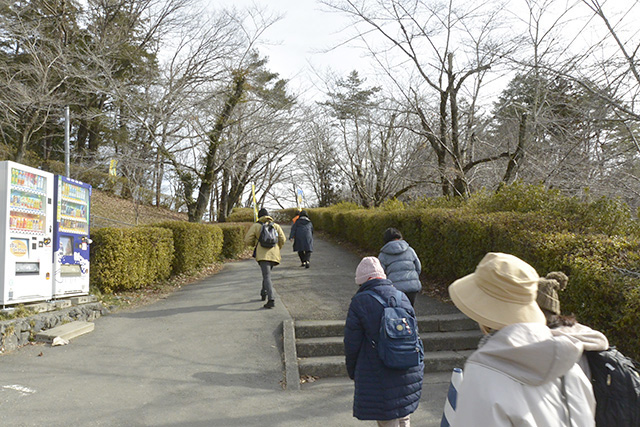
x=548, y=288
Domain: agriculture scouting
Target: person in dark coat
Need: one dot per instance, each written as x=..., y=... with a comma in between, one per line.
x=386, y=395
x=302, y=236
x=401, y=264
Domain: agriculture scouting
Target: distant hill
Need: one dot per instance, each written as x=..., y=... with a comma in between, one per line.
x=114, y=211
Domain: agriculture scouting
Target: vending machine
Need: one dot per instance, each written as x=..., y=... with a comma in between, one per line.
x=26, y=233
x=71, y=237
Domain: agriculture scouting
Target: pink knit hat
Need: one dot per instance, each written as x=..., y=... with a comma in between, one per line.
x=369, y=268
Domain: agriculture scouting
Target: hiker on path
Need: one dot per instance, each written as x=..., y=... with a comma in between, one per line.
x=549, y=302
x=386, y=395
x=521, y=375
x=302, y=236
x=401, y=264
x=266, y=257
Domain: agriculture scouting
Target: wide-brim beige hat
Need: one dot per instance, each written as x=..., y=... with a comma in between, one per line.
x=501, y=291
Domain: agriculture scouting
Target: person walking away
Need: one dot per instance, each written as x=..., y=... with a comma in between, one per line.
x=302, y=236
x=521, y=375
x=267, y=257
x=386, y=395
x=401, y=264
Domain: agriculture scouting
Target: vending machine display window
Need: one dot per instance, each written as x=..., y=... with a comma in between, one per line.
x=27, y=202
x=73, y=209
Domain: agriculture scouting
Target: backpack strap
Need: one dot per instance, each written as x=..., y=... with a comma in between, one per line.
x=393, y=300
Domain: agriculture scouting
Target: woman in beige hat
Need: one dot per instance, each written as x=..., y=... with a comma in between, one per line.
x=521, y=375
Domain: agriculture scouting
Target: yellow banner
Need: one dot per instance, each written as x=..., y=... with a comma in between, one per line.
x=112, y=167
x=255, y=203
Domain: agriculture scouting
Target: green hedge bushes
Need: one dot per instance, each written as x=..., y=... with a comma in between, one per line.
x=241, y=215
x=233, y=237
x=130, y=258
x=196, y=245
x=596, y=243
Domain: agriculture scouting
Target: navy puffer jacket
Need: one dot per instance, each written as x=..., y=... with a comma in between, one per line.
x=302, y=233
x=380, y=393
x=402, y=265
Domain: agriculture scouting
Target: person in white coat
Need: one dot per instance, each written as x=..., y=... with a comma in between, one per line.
x=521, y=374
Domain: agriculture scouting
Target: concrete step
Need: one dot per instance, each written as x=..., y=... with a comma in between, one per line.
x=334, y=366
x=446, y=323
x=432, y=341
x=450, y=341
x=322, y=367
x=67, y=331
x=319, y=328
x=319, y=347
x=434, y=323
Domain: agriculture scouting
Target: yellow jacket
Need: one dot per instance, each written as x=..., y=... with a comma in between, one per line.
x=265, y=254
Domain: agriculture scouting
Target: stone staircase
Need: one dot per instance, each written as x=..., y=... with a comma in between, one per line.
x=448, y=340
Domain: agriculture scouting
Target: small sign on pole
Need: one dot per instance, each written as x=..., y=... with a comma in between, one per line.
x=112, y=167
x=299, y=198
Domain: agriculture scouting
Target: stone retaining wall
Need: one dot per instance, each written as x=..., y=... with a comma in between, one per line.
x=15, y=333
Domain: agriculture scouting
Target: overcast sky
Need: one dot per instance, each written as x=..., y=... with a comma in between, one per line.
x=305, y=41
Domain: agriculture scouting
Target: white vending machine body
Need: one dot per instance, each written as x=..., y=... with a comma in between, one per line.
x=26, y=234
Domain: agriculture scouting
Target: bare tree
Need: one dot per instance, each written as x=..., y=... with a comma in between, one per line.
x=376, y=149
x=449, y=48
x=318, y=158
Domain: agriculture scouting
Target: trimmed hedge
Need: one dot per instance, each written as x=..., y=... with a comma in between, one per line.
x=241, y=215
x=233, y=236
x=578, y=240
x=130, y=258
x=196, y=245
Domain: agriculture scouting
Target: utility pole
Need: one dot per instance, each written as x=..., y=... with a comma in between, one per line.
x=66, y=141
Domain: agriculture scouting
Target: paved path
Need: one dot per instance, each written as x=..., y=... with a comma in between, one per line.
x=208, y=355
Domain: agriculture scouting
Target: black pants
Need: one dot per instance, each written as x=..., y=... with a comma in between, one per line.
x=412, y=297
x=304, y=256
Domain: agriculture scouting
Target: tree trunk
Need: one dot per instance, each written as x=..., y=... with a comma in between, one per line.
x=514, y=159
x=214, y=142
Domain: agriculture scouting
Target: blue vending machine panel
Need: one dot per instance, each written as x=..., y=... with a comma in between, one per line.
x=71, y=237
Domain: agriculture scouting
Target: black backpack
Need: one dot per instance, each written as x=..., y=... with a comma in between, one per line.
x=268, y=235
x=398, y=342
x=616, y=386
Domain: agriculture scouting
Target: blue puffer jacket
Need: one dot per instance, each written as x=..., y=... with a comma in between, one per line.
x=402, y=265
x=380, y=393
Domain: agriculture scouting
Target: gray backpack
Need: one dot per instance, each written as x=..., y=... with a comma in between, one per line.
x=268, y=235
